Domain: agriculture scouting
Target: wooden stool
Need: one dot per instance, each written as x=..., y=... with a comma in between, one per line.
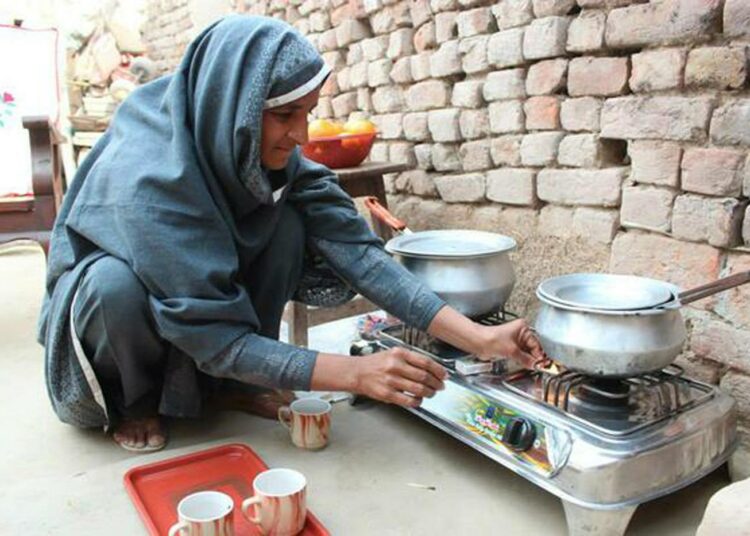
x=360, y=181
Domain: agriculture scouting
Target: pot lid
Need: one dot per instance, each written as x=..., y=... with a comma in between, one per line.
x=454, y=244
x=607, y=292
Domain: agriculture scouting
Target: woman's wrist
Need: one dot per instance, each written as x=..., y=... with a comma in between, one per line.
x=456, y=329
x=334, y=372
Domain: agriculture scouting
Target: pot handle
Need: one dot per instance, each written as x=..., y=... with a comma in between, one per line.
x=704, y=291
x=381, y=213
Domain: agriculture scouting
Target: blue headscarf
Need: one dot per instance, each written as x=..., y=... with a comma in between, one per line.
x=176, y=189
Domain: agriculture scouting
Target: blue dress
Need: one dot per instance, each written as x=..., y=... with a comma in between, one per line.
x=176, y=191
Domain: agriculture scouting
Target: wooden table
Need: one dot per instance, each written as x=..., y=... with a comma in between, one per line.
x=360, y=181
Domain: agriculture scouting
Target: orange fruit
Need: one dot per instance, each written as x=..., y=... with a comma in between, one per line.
x=352, y=143
x=357, y=126
x=323, y=128
x=360, y=126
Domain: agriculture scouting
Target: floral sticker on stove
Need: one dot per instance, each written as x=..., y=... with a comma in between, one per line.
x=485, y=419
x=7, y=107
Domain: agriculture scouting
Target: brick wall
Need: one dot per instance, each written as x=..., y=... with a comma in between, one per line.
x=604, y=135
x=167, y=31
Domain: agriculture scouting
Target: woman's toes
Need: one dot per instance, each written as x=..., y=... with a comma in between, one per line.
x=139, y=439
x=155, y=437
x=141, y=434
x=155, y=440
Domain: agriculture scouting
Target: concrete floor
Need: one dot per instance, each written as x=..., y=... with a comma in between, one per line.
x=60, y=480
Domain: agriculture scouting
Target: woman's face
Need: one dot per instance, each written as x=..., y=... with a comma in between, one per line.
x=285, y=127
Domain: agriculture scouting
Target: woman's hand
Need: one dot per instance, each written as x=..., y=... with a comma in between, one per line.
x=513, y=340
x=398, y=376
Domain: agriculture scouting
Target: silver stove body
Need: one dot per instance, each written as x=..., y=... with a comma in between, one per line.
x=602, y=464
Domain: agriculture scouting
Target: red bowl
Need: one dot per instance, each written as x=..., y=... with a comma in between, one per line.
x=347, y=150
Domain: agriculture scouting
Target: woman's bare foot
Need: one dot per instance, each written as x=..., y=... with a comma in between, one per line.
x=264, y=404
x=141, y=435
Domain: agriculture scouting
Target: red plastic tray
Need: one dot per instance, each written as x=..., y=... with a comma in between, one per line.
x=156, y=488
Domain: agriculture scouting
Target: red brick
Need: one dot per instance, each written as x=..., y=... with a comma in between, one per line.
x=731, y=123
x=511, y=186
x=546, y=77
x=655, y=70
x=716, y=220
x=420, y=12
x=467, y=188
x=683, y=263
x=713, y=171
x=542, y=113
x=720, y=342
x=512, y=13
x=671, y=118
x=586, y=32
x=547, y=8
x=474, y=22
x=663, y=22
x=655, y=162
x=737, y=18
x=716, y=67
x=592, y=187
x=599, y=77
x=342, y=13
x=424, y=37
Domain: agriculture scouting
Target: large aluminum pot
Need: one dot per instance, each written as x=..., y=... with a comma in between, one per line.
x=616, y=325
x=470, y=270
x=610, y=343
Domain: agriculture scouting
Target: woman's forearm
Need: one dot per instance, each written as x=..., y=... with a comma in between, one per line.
x=374, y=274
x=457, y=330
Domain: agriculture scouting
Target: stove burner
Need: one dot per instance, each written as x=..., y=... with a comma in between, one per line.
x=604, y=393
x=657, y=392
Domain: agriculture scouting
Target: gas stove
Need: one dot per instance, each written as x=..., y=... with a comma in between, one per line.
x=602, y=446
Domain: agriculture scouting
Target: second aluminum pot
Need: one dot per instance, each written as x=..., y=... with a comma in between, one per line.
x=597, y=339
x=610, y=343
x=470, y=270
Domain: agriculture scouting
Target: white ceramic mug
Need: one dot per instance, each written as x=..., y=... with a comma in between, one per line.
x=206, y=513
x=308, y=421
x=279, y=496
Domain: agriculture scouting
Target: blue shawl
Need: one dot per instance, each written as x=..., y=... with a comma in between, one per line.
x=175, y=189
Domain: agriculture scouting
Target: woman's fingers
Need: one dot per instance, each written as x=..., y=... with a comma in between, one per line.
x=402, y=399
x=526, y=359
x=426, y=364
x=406, y=378
x=415, y=389
x=531, y=343
x=421, y=376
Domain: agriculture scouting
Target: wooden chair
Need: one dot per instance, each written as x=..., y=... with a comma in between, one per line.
x=32, y=217
x=364, y=180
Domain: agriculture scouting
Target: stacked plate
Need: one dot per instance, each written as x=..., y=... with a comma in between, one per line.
x=606, y=293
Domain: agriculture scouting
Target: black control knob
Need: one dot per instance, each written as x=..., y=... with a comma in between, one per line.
x=362, y=348
x=519, y=434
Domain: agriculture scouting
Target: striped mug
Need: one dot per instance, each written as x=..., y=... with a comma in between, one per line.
x=279, y=498
x=308, y=421
x=206, y=513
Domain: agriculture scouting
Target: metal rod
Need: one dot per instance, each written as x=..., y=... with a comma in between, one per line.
x=704, y=291
x=572, y=383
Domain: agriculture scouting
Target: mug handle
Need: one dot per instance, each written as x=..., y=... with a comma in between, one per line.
x=178, y=527
x=285, y=416
x=246, y=504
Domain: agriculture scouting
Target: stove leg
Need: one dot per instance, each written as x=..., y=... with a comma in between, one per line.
x=589, y=522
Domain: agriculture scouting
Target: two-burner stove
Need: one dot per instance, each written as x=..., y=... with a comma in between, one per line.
x=602, y=446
